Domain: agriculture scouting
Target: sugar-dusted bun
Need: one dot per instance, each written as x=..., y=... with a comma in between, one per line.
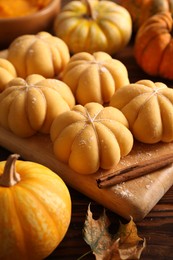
x=91, y=136
x=40, y=53
x=148, y=107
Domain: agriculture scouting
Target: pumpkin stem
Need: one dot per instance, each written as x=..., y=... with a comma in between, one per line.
x=90, y=10
x=10, y=177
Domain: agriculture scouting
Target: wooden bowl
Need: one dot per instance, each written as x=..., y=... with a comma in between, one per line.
x=11, y=28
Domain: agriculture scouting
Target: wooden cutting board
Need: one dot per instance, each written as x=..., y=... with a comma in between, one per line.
x=134, y=198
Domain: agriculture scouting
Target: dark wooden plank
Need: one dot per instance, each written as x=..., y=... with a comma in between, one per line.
x=157, y=228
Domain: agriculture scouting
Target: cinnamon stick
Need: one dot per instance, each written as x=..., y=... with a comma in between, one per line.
x=134, y=171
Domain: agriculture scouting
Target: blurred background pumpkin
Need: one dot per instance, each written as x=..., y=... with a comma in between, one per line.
x=153, y=47
x=141, y=10
x=93, y=25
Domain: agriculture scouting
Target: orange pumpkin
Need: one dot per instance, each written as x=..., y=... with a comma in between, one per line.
x=141, y=10
x=35, y=210
x=153, y=49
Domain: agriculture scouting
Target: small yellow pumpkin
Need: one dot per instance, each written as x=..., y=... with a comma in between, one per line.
x=94, y=77
x=91, y=136
x=40, y=53
x=148, y=107
x=30, y=106
x=7, y=73
x=93, y=25
x=35, y=210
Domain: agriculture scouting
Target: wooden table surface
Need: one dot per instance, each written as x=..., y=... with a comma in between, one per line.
x=156, y=227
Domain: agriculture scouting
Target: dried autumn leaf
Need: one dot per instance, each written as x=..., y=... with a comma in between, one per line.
x=128, y=233
x=96, y=234
x=130, y=244
x=126, y=244
x=133, y=252
x=112, y=253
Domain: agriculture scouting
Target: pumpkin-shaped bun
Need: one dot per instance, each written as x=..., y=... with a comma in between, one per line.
x=28, y=106
x=42, y=54
x=148, y=107
x=94, y=77
x=7, y=73
x=91, y=136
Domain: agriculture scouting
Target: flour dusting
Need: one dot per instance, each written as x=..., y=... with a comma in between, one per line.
x=122, y=190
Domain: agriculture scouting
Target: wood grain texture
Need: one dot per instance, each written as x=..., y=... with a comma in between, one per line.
x=156, y=227
x=133, y=198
